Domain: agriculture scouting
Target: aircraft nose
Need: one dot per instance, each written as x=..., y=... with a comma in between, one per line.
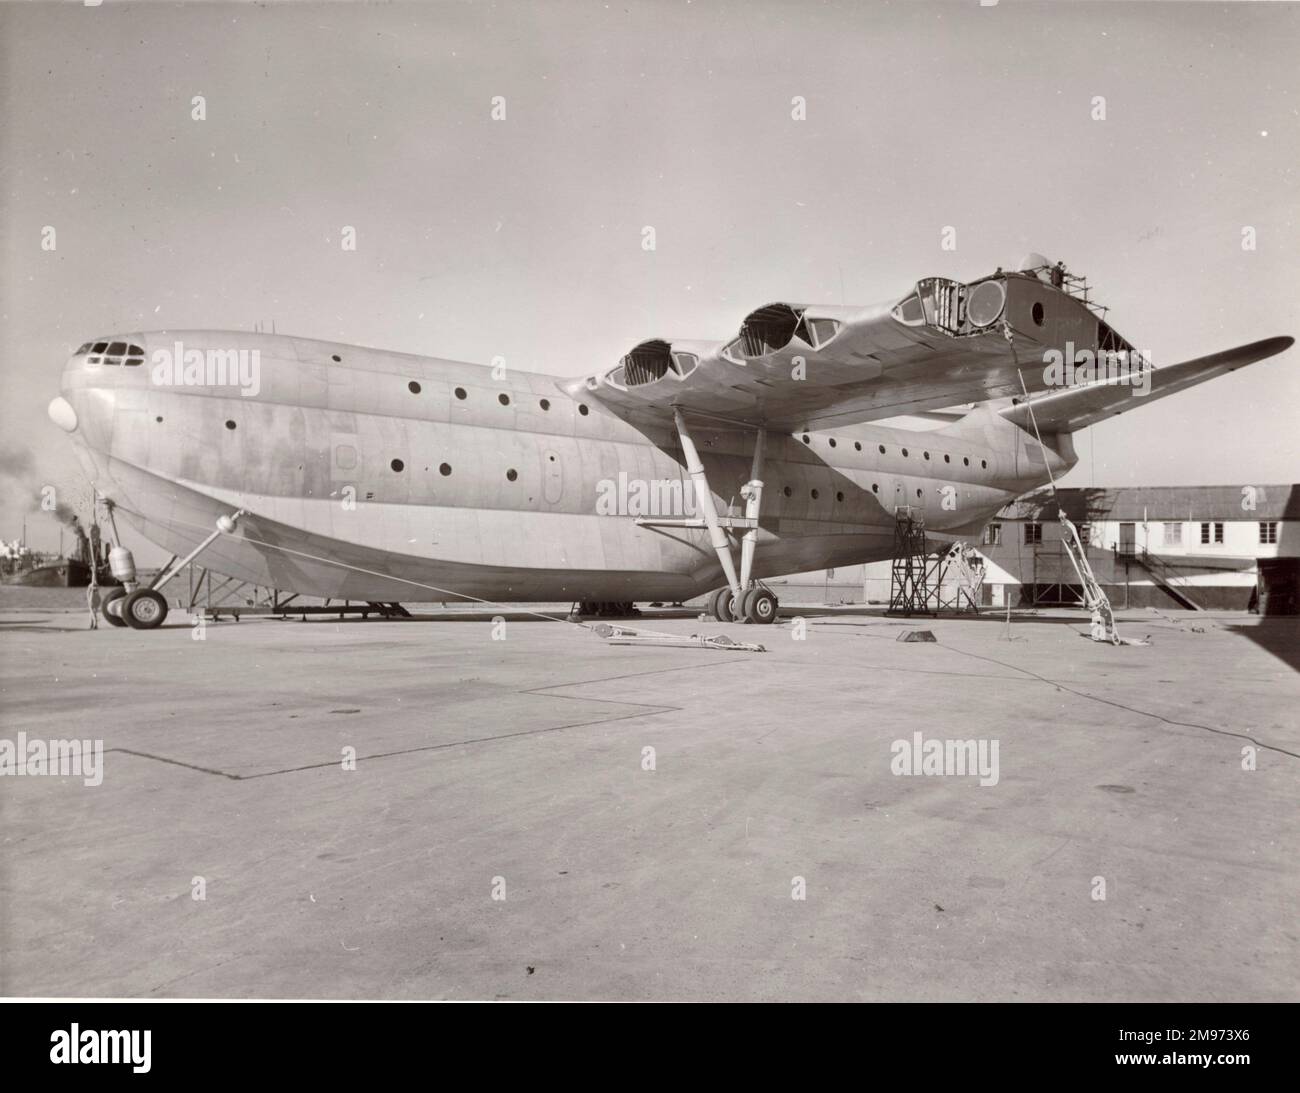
x=62, y=414
x=86, y=403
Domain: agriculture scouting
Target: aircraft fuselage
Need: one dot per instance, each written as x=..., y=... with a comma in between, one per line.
x=374, y=475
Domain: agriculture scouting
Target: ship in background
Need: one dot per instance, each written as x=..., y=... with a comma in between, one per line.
x=20, y=565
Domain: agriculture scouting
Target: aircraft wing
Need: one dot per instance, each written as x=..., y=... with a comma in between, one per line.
x=795, y=366
x=1075, y=408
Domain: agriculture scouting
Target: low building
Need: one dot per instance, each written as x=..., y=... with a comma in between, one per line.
x=1148, y=546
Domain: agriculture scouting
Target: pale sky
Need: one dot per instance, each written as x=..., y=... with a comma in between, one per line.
x=522, y=238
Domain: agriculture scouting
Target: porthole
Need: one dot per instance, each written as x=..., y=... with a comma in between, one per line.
x=965, y=460
x=839, y=495
x=875, y=487
x=815, y=495
x=545, y=404
x=805, y=439
x=336, y=358
x=397, y=465
x=857, y=445
x=230, y=424
x=788, y=491
x=582, y=409
x=158, y=419
x=413, y=387
x=926, y=454
x=460, y=392
x=918, y=493
x=832, y=442
x=444, y=469
x=984, y=463
x=947, y=458
x=904, y=451
x=504, y=399
x=1036, y=312
x=511, y=474
x=882, y=449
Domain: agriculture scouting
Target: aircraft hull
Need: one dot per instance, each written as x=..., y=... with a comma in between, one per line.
x=369, y=475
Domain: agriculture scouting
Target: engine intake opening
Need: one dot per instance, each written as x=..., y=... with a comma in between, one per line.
x=769, y=330
x=647, y=362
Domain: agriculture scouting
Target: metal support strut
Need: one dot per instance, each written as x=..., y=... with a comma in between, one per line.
x=704, y=495
x=225, y=525
x=752, y=492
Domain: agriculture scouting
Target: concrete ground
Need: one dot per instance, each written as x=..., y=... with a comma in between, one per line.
x=515, y=767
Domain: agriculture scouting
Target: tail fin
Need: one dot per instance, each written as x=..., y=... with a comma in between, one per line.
x=1075, y=408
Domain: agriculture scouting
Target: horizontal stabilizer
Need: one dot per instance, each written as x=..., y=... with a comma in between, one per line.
x=1075, y=408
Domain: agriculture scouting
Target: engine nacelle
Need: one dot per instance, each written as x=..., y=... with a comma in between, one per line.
x=652, y=360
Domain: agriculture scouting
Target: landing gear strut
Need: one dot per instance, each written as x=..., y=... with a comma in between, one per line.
x=743, y=599
x=146, y=608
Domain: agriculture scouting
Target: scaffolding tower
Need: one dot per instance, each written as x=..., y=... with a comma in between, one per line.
x=915, y=576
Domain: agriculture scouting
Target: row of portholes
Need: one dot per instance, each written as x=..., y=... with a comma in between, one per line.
x=444, y=469
x=512, y=475
x=502, y=398
x=839, y=494
x=857, y=446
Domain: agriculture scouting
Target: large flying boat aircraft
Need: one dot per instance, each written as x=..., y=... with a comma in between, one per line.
x=690, y=467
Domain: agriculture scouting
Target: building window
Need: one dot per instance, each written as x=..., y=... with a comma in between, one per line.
x=993, y=535
x=1268, y=531
x=1211, y=533
x=1172, y=534
x=1033, y=533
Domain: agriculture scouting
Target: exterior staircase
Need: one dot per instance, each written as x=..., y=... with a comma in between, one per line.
x=1165, y=576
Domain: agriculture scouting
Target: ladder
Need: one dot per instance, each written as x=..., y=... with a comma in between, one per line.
x=970, y=579
x=1094, y=596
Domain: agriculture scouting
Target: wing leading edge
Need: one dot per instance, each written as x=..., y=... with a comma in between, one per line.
x=797, y=366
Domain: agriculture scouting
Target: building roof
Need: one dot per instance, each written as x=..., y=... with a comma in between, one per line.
x=1138, y=503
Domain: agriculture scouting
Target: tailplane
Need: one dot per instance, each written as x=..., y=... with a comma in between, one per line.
x=1075, y=408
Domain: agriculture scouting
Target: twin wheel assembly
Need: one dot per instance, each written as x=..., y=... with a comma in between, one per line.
x=143, y=609
x=753, y=605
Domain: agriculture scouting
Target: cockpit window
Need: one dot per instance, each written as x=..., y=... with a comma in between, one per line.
x=114, y=353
